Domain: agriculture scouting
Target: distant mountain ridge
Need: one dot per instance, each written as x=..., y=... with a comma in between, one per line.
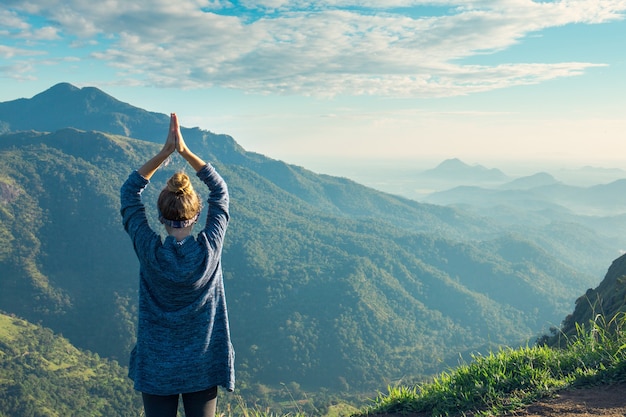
x=532, y=181
x=604, y=199
x=458, y=170
x=353, y=286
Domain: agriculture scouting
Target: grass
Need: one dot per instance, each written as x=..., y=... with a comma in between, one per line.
x=508, y=379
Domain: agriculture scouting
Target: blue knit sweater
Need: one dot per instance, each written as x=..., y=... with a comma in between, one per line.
x=183, y=338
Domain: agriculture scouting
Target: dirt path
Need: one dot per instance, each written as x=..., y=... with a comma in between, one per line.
x=601, y=401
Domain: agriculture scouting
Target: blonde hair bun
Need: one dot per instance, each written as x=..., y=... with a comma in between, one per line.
x=178, y=200
x=179, y=184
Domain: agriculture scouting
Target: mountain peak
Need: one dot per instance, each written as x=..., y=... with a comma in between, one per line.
x=60, y=88
x=452, y=164
x=456, y=169
x=77, y=99
x=65, y=105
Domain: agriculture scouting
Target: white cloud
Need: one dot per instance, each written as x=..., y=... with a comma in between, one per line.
x=317, y=48
x=11, y=20
x=18, y=70
x=9, y=52
x=47, y=33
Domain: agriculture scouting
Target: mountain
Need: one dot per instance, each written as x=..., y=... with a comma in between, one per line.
x=532, y=181
x=605, y=302
x=597, y=200
x=42, y=374
x=331, y=285
x=88, y=108
x=455, y=169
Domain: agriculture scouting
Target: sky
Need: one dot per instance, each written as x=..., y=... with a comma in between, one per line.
x=325, y=84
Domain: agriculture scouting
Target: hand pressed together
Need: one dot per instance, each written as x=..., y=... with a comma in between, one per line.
x=173, y=142
x=170, y=142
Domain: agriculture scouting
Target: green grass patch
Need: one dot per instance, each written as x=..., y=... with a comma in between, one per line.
x=341, y=410
x=10, y=328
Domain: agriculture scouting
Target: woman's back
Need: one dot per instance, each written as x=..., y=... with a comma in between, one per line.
x=183, y=337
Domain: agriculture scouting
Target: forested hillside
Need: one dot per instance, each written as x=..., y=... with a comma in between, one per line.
x=43, y=374
x=330, y=284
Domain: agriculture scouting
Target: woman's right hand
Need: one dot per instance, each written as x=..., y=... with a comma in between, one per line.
x=181, y=146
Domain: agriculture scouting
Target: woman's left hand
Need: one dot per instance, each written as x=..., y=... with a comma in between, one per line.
x=170, y=143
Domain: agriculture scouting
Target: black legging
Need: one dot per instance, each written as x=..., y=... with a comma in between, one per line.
x=197, y=404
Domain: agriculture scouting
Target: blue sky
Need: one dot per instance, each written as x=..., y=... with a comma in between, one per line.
x=321, y=82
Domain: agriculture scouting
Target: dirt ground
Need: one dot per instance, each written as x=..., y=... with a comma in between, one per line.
x=601, y=401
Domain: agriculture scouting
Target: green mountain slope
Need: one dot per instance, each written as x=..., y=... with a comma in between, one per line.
x=603, y=303
x=43, y=374
x=316, y=296
x=330, y=284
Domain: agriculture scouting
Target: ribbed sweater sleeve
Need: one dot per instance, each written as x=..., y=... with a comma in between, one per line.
x=217, y=214
x=133, y=213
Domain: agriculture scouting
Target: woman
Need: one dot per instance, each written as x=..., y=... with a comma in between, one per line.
x=183, y=338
